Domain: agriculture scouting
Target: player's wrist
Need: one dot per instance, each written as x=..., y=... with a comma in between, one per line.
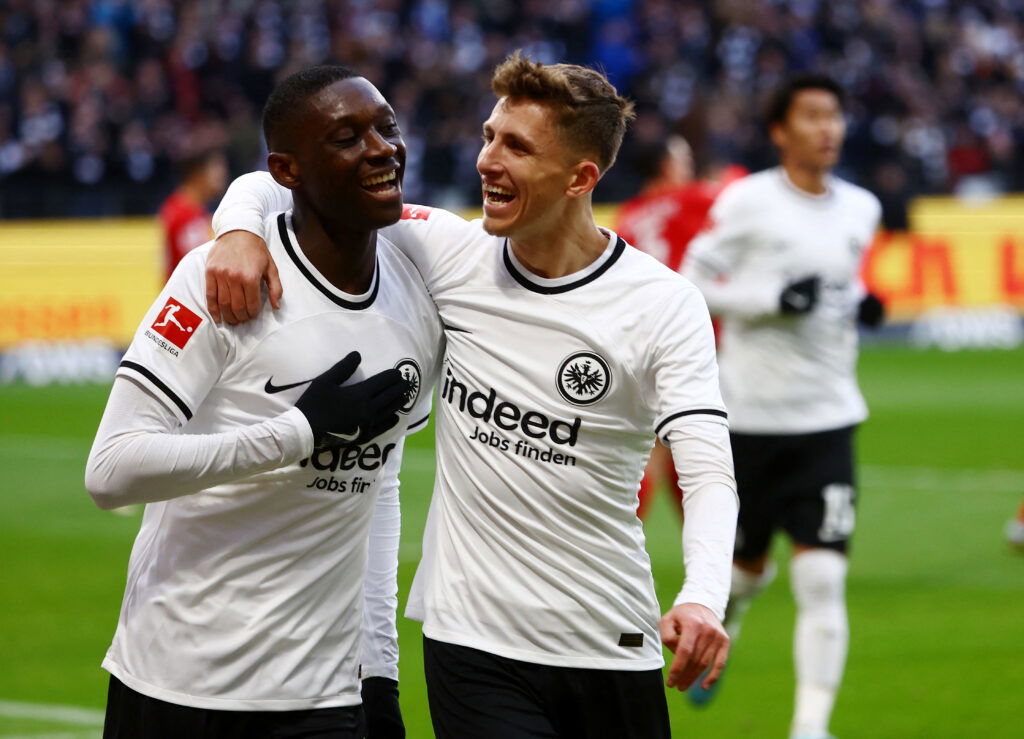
x=713, y=604
x=300, y=443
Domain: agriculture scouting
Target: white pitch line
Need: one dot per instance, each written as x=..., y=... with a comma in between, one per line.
x=941, y=479
x=52, y=712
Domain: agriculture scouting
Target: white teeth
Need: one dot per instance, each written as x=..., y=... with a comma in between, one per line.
x=497, y=190
x=369, y=181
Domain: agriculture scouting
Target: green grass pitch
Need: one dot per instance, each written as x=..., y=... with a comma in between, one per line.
x=936, y=596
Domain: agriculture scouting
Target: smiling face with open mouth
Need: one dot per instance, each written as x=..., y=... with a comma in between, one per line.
x=525, y=169
x=351, y=163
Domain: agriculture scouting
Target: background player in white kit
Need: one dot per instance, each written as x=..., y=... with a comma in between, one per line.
x=780, y=265
x=272, y=486
x=535, y=591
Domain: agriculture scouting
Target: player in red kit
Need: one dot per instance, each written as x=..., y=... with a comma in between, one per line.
x=671, y=207
x=185, y=219
x=661, y=220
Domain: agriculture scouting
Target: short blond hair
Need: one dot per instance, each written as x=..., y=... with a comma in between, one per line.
x=591, y=115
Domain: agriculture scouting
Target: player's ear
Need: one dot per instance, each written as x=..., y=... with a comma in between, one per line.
x=284, y=169
x=777, y=134
x=585, y=177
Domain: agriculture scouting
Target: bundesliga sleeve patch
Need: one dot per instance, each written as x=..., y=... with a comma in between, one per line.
x=176, y=323
x=415, y=212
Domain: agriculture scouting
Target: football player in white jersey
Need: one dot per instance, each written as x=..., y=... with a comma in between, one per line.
x=567, y=351
x=780, y=265
x=268, y=467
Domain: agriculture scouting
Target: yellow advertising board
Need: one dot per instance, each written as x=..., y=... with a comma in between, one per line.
x=957, y=253
x=77, y=279
x=82, y=279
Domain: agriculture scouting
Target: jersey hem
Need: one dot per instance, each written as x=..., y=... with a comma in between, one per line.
x=755, y=429
x=227, y=704
x=544, y=658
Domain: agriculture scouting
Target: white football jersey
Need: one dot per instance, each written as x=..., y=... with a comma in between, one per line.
x=249, y=595
x=549, y=398
x=786, y=374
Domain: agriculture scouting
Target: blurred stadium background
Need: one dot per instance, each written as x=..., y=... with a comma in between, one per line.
x=100, y=100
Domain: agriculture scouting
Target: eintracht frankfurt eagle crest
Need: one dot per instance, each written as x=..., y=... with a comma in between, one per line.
x=583, y=378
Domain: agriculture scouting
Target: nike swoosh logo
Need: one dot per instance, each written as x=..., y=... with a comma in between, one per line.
x=345, y=437
x=271, y=388
x=448, y=327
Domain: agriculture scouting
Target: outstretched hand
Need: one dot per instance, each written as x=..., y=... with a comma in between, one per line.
x=237, y=266
x=697, y=639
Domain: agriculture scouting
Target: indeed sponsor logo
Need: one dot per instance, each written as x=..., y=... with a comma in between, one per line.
x=487, y=407
x=367, y=457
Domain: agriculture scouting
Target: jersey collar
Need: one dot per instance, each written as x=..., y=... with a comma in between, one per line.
x=544, y=286
x=821, y=198
x=351, y=302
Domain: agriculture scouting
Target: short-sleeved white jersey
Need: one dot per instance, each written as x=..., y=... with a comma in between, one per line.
x=248, y=596
x=786, y=374
x=550, y=395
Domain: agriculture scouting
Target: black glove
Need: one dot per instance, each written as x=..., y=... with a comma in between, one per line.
x=351, y=414
x=800, y=296
x=871, y=311
x=380, y=704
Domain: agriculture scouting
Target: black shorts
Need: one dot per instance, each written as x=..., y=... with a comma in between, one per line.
x=132, y=715
x=800, y=483
x=477, y=694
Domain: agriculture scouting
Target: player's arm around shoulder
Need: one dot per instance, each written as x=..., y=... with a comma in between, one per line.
x=435, y=240
x=240, y=261
x=238, y=265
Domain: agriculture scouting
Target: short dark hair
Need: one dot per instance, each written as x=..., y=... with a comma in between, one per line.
x=290, y=95
x=781, y=99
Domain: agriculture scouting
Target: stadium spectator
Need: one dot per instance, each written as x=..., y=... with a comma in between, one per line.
x=185, y=219
x=780, y=266
x=262, y=590
x=535, y=593
x=932, y=85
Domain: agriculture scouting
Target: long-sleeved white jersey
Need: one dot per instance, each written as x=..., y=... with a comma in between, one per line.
x=785, y=374
x=246, y=582
x=549, y=399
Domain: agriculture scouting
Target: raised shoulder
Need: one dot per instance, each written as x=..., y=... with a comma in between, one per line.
x=657, y=280
x=745, y=196
x=425, y=216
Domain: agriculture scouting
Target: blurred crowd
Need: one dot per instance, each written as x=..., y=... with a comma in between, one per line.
x=100, y=98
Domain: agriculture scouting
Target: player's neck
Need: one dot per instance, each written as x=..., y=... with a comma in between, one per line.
x=572, y=244
x=812, y=180
x=345, y=258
